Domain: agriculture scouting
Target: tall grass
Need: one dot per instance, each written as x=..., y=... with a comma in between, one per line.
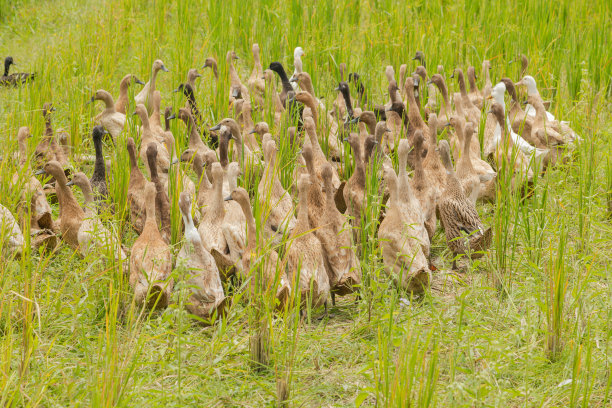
x=70, y=333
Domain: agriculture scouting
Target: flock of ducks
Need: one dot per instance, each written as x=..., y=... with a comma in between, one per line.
x=310, y=250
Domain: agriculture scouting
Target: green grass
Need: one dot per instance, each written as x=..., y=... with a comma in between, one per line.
x=71, y=335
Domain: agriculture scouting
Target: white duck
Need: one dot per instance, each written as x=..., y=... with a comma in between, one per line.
x=297, y=63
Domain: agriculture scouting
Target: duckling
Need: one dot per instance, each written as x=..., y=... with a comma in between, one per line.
x=211, y=63
x=162, y=202
x=135, y=195
x=10, y=234
x=212, y=223
x=15, y=79
x=333, y=231
x=112, y=120
x=207, y=298
x=474, y=94
x=446, y=109
x=280, y=71
x=274, y=96
x=410, y=204
x=459, y=216
x=423, y=188
x=256, y=82
x=93, y=237
x=304, y=257
x=145, y=96
x=98, y=178
x=70, y=213
x=273, y=276
x=403, y=256
x=274, y=200
x=122, y=101
x=151, y=260
x=195, y=141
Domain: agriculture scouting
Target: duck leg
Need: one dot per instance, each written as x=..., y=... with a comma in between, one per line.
x=333, y=296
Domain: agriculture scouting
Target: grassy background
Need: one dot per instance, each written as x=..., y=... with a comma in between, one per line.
x=70, y=337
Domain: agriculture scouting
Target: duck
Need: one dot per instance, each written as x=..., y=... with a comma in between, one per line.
x=316, y=195
x=423, y=188
x=256, y=82
x=211, y=63
x=432, y=104
x=187, y=185
x=345, y=91
x=93, y=237
x=446, y=109
x=470, y=164
x=162, y=202
x=242, y=153
x=553, y=132
x=155, y=122
x=304, y=256
x=472, y=113
x=48, y=149
x=298, y=53
x=195, y=141
x=151, y=260
x=280, y=71
x=274, y=200
x=163, y=158
x=402, y=255
x=135, y=194
x=354, y=190
x=410, y=204
x=505, y=151
x=362, y=96
x=41, y=220
x=518, y=119
x=15, y=79
x=113, y=121
x=486, y=89
x=121, y=104
x=207, y=299
x=333, y=231
x=459, y=216
x=431, y=163
x=540, y=154
x=192, y=75
x=71, y=214
x=258, y=256
x=211, y=228
x=145, y=96
x=98, y=178
x=319, y=159
x=260, y=128
x=247, y=136
x=474, y=94
x=414, y=114
x=339, y=110
x=191, y=104
x=12, y=237
x=394, y=95
x=237, y=89
x=334, y=147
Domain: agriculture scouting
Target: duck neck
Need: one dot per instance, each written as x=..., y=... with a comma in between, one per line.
x=284, y=80
x=347, y=101
x=87, y=195
x=188, y=92
x=223, y=154
x=152, y=82
x=7, y=64
x=419, y=173
x=108, y=101
x=462, y=88
x=151, y=221
x=472, y=81
x=303, y=224
x=65, y=198
x=48, y=127
x=308, y=87
x=465, y=155
x=310, y=102
x=194, y=137
x=393, y=193
x=359, y=164
x=100, y=166
x=23, y=152
x=217, y=205
x=250, y=220
x=444, y=91
x=133, y=160
x=414, y=114
x=152, y=161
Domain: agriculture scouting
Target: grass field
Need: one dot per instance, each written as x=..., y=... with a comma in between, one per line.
x=70, y=334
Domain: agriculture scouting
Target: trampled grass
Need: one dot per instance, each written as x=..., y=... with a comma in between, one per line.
x=512, y=330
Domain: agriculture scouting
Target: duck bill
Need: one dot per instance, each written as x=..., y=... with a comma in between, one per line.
x=216, y=127
x=138, y=81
